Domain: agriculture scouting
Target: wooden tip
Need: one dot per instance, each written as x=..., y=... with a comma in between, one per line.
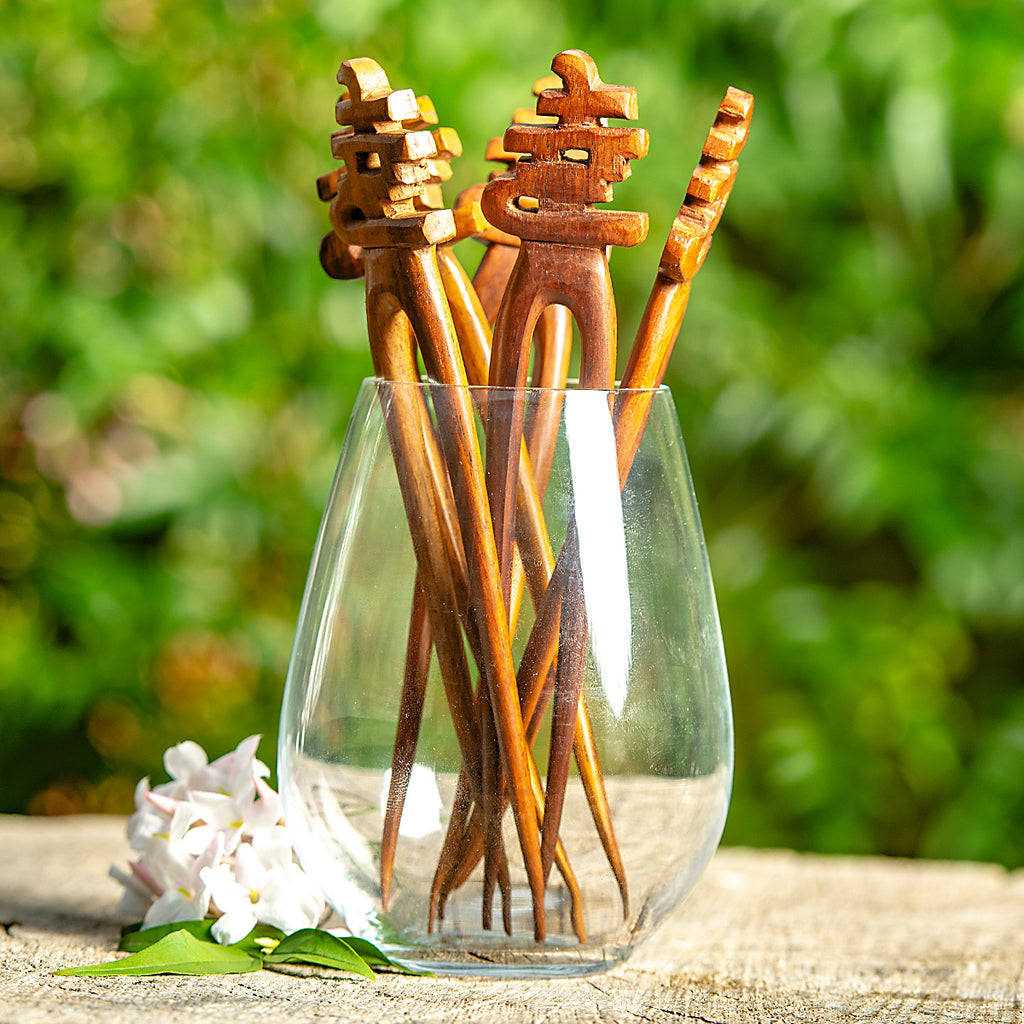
x=729, y=133
x=712, y=182
x=369, y=103
x=418, y=146
x=412, y=172
x=527, y=115
x=576, y=68
x=430, y=198
x=737, y=104
x=685, y=251
x=583, y=96
x=439, y=171
x=428, y=112
x=327, y=184
x=425, y=117
x=497, y=152
x=447, y=143
x=546, y=82
x=469, y=219
x=438, y=227
x=364, y=78
x=709, y=189
x=340, y=261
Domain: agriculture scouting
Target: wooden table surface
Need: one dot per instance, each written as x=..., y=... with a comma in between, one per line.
x=767, y=936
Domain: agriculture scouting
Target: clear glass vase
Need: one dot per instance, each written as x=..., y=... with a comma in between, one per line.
x=655, y=692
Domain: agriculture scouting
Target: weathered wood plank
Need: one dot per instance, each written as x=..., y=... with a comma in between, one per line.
x=767, y=936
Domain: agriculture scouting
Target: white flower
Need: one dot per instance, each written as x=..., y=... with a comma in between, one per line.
x=264, y=885
x=210, y=845
x=147, y=820
x=236, y=813
x=185, y=896
x=191, y=771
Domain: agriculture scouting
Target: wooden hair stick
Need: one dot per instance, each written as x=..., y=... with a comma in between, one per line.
x=373, y=208
x=684, y=253
x=562, y=259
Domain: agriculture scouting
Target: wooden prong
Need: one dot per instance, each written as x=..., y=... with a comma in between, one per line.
x=419, y=281
x=462, y=806
x=552, y=351
x=460, y=868
x=597, y=799
x=536, y=684
x=572, y=652
x=376, y=209
x=554, y=343
x=414, y=448
x=410, y=714
x=645, y=369
x=491, y=277
x=554, y=335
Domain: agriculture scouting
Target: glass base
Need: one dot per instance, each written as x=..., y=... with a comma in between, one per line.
x=501, y=965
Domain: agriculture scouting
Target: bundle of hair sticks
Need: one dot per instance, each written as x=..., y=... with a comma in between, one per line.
x=474, y=515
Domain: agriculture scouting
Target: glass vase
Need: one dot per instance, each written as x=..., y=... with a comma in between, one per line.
x=620, y=518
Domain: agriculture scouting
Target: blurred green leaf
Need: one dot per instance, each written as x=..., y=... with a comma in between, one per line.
x=176, y=373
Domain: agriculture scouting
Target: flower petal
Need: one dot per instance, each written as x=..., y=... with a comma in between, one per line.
x=210, y=857
x=266, y=811
x=225, y=892
x=197, y=839
x=136, y=898
x=234, y=926
x=144, y=877
x=141, y=790
x=184, y=760
x=143, y=825
x=177, y=905
x=168, y=863
x=243, y=777
x=183, y=816
x=217, y=809
x=249, y=867
x=274, y=846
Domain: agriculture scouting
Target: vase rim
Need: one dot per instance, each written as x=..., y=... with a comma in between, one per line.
x=572, y=386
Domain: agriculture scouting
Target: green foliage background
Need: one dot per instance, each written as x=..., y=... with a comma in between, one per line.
x=176, y=374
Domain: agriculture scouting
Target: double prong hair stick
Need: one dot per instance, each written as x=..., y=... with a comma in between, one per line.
x=386, y=166
x=562, y=259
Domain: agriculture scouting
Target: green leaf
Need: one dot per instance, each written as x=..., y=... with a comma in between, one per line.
x=315, y=946
x=177, y=953
x=135, y=940
x=375, y=958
